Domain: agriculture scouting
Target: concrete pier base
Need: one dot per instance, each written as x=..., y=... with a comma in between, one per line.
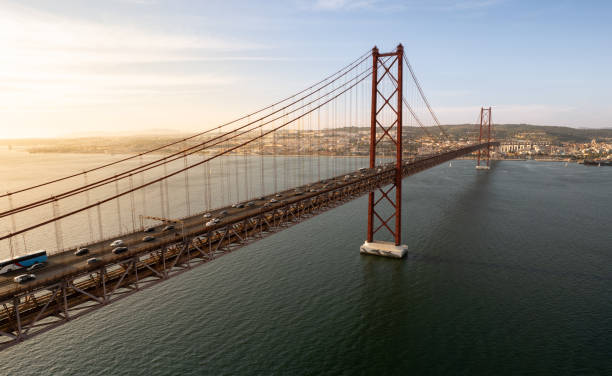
x=386, y=249
x=483, y=167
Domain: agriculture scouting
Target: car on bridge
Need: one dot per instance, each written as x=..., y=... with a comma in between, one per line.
x=93, y=260
x=81, y=251
x=149, y=229
x=24, y=278
x=213, y=221
x=148, y=238
x=168, y=228
x=116, y=243
x=207, y=215
x=119, y=250
x=36, y=266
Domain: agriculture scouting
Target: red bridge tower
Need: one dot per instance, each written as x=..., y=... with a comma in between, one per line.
x=485, y=132
x=387, y=86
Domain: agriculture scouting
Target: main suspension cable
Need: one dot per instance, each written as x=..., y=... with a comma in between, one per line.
x=349, y=66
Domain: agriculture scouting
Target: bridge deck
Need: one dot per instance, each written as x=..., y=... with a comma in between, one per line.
x=68, y=287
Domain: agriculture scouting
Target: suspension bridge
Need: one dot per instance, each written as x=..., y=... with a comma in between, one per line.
x=358, y=131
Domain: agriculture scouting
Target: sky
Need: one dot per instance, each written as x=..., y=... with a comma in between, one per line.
x=72, y=67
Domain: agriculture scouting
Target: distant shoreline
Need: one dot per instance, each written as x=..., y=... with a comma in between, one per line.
x=25, y=150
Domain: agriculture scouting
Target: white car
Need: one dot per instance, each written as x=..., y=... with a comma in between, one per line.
x=24, y=278
x=117, y=243
x=211, y=222
x=37, y=265
x=207, y=215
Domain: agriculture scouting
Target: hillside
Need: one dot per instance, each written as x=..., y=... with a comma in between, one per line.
x=536, y=132
x=513, y=132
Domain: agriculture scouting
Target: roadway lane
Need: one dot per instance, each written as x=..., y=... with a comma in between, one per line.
x=67, y=262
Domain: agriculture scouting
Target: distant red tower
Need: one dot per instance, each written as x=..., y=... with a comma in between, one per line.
x=390, y=130
x=485, y=132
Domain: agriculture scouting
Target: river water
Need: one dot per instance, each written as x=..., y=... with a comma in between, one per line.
x=508, y=272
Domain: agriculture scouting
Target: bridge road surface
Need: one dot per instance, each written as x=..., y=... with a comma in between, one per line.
x=67, y=262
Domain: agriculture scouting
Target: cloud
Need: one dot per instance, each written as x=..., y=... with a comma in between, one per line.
x=54, y=60
x=458, y=5
x=138, y=2
x=26, y=33
x=511, y=113
x=333, y=5
x=397, y=5
x=451, y=93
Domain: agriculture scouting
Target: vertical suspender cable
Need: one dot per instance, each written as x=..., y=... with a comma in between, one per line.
x=248, y=183
x=208, y=166
x=132, y=203
x=100, y=230
x=89, y=219
x=12, y=251
x=318, y=144
x=204, y=183
x=167, y=194
x=285, y=156
x=59, y=238
x=274, y=153
x=144, y=191
x=187, y=200
x=236, y=173
x=161, y=199
x=261, y=161
x=10, y=200
x=118, y=207
x=299, y=152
